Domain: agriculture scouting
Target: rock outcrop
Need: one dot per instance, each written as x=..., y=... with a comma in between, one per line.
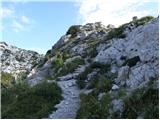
x=103, y=72
x=16, y=60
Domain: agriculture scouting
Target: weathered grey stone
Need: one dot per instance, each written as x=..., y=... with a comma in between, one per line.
x=118, y=105
x=100, y=96
x=115, y=87
x=123, y=75
x=15, y=60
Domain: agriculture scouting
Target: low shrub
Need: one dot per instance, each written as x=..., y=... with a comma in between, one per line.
x=116, y=33
x=121, y=93
x=144, y=101
x=58, y=62
x=24, y=102
x=82, y=77
x=104, y=68
x=104, y=84
x=132, y=61
x=42, y=62
x=93, y=83
x=91, y=50
x=48, y=54
x=91, y=108
x=73, y=30
x=21, y=78
x=6, y=79
x=143, y=20
x=70, y=67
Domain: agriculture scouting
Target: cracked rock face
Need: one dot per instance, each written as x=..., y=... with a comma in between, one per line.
x=131, y=61
x=142, y=42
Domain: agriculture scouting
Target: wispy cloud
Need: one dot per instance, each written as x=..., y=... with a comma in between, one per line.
x=6, y=12
x=24, y=1
x=25, y=20
x=16, y=20
x=17, y=26
x=112, y=11
x=21, y=24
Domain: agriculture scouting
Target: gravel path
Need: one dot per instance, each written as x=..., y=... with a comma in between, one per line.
x=68, y=107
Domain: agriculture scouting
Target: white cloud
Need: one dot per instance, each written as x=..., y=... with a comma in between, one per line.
x=16, y=26
x=21, y=24
x=16, y=20
x=112, y=11
x=24, y=1
x=6, y=12
x=25, y=20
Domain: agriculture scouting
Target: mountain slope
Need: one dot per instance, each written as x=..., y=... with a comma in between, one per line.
x=16, y=63
x=104, y=72
x=18, y=99
x=119, y=65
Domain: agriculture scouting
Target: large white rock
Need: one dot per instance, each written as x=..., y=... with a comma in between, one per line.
x=141, y=41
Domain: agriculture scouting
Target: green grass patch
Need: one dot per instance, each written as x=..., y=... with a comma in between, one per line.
x=144, y=101
x=143, y=20
x=24, y=102
x=58, y=62
x=92, y=109
x=91, y=50
x=116, y=33
x=104, y=68
x=70, y=67
x=89, y=108
x=82, y=76
x=6, y=80
x=104, y=84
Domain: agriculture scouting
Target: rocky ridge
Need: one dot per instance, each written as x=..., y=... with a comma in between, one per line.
x=16, y=61
x=122, y=70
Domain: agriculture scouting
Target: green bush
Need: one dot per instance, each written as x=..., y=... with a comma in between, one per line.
x=91, y=51
x=42, y=62
x=24, y=102
x=132, y=61
x=116, y=33
x=58, y=62
x=144, y=101
x=121, y=93
x=82, y=76
x=70, y=67
x=48, y=54
x=73, y=30
x=91, y=108
x=95, y=65
x=21, y=78
x=93, y=83
x=143, y=20
x=7, y=79
x=104, y=84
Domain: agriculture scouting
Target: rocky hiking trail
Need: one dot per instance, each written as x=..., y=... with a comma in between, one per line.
x=68, y=107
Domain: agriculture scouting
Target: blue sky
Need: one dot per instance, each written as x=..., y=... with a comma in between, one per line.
x=37, y=25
